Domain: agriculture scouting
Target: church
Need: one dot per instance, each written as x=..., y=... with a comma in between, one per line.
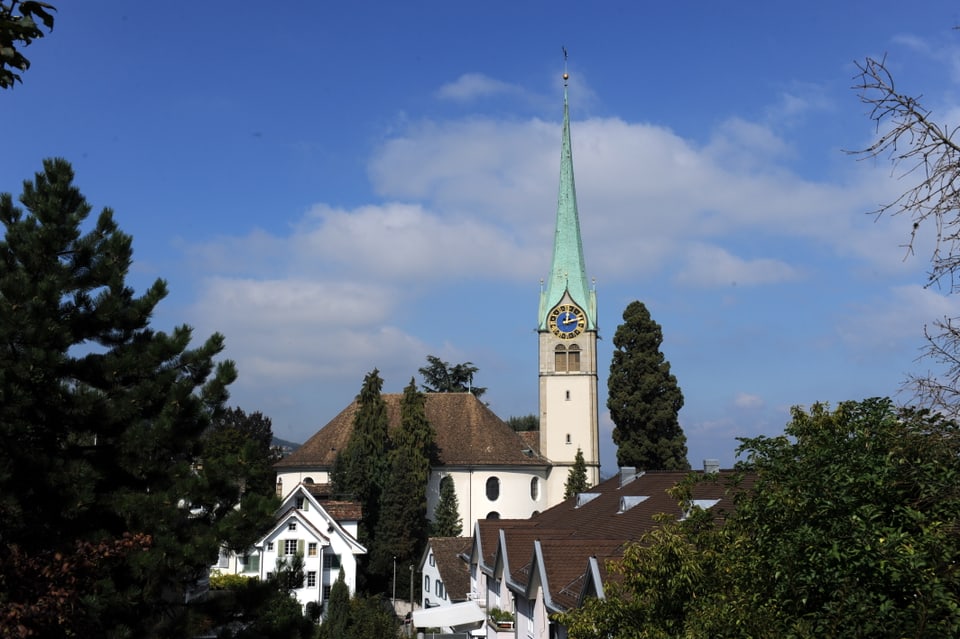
x=496, y=472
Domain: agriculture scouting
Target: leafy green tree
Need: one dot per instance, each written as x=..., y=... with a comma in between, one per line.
x=402, y=531
x=101, y=420
x=577, y=477
x=644, y=398
x=524, y=423
x=446, y=516
x=18, y=28
x=846, y=527
x=440, y=377
x=372, y=618
x=337, y=614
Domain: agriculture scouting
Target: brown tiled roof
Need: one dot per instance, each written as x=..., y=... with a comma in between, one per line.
x=468, y=434
x=454, y=572
x=570, y=535
x=343, y=510
x=531, y=438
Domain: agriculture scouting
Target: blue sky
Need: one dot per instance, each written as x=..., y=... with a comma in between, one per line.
x=342, y=186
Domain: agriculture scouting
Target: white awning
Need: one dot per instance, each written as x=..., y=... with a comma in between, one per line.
x=459, y=616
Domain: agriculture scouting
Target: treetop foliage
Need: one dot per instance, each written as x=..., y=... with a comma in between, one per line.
x=644, y=398
x=440, y=377
x=848, y=530
x=18, y=28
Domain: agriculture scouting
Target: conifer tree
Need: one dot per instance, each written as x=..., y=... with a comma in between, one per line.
x=446, y=516
x=577, y=477
x=360, y=470
x=644, y=398
x=402, y=531
x=337, y=613
x=101, y=425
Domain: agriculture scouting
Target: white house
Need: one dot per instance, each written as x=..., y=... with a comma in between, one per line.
x=322, y=530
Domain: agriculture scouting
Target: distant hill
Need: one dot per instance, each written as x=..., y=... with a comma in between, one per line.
x=285, y=447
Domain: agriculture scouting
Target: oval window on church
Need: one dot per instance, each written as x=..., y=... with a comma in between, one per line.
x=493, y=489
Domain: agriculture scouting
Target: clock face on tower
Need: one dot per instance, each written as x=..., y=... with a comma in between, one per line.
x=567, y=321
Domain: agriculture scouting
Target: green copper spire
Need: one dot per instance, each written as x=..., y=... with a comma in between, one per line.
x=568, y=273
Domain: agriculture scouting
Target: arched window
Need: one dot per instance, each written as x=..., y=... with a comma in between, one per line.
x=566, y=359
x=560, y=358
x=426, y=583
x=493, y=489
x=308, y=480
x=493, y=515
x=535, y=488
x=568, y=439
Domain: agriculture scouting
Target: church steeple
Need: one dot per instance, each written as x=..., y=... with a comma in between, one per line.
x=567, y=272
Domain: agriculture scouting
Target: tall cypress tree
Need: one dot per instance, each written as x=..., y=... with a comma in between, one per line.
x=101, y=424
x=644, y=398
x=360, y=470
x=402, y=527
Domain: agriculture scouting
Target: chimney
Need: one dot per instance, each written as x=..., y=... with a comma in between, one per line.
x=711, y=466
x=627, y=474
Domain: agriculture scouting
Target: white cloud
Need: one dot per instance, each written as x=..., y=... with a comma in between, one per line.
x=712, y=266
x=470, y=86
x=748, y=401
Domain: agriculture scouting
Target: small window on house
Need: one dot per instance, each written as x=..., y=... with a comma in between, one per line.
x=292, y=525
x=493, y=489
x=426, y=583
x=312, y=579
x=326, y=593
x=535, y=488
x=573, y=358
x=312, y=549
x=269, y=576
x=301, y=503
x=269, y=546
x=493, y=515
x=567, y=395
x=331, y=561
x=438, y=588
x=308, y=480
x=433, y=562
x=279, y=488
x=568, y=438
x=289, y=547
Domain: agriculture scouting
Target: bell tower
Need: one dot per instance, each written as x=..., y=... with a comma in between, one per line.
x=567, y=329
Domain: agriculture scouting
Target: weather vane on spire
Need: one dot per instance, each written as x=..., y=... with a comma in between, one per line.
x=566, y=76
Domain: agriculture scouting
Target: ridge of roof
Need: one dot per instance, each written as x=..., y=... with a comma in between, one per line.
x=467, y=433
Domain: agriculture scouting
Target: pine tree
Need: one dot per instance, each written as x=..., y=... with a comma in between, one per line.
x=101, y=424
x=644, y=398
x=446, y=516
x=360, y=470
x=577, y=477
x=402, y=528
x=238, y=462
